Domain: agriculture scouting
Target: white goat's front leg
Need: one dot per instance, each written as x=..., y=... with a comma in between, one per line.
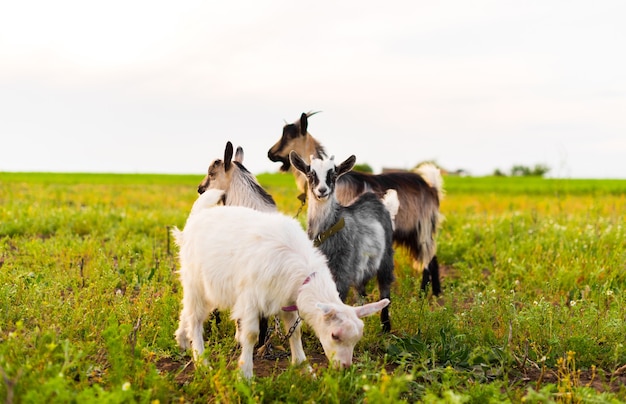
x=247, y=335
x=197, y=339
x=181, y=334
x=295, y=341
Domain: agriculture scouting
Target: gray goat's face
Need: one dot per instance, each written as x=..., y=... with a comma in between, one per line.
x=321, y=174
x=322, y=177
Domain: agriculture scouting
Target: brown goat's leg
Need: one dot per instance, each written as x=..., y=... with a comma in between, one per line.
x=425, y=280
x=433, y=268
x=431, y=275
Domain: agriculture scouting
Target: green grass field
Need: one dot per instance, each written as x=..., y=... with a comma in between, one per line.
x=533, y=310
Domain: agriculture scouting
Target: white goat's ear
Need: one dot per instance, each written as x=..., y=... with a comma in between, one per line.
x=371, y=308
x=327, y=309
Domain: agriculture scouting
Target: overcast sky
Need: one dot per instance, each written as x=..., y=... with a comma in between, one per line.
x=159, y=87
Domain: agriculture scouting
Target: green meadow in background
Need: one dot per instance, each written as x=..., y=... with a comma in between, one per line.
x=533, y=308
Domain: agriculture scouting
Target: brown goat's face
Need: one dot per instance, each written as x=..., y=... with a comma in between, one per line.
x=294, y=138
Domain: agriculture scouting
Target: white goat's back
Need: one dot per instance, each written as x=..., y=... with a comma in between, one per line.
x=235, y=252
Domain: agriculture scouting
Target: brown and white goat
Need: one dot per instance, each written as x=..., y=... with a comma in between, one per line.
x=417, y=221
x=240, y=188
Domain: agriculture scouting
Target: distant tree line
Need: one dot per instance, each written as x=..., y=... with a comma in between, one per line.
x=539, y=170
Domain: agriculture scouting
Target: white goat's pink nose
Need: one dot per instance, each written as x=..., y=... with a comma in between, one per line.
x=342, y=364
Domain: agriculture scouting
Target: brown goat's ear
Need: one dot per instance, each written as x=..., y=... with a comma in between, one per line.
x=346, y=166
x=298, y=163
x=304, y=123
x=228, y=155
x=239, y=155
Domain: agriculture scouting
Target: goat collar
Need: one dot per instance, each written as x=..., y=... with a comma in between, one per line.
x=323, y=236
x=302, y=197
x=293, y=307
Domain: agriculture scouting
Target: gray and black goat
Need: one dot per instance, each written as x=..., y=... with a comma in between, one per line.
x=357, y=238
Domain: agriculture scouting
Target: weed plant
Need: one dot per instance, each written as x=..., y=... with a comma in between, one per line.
x=533, y=309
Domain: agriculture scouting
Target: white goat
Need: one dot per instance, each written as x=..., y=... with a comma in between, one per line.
x=256, y=263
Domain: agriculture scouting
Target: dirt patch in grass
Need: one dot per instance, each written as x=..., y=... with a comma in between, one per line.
x=183, y=368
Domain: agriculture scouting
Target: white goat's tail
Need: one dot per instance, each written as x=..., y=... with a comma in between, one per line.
x=178, y=235
x=392, y=203
x=432, y=175
x=209, y=199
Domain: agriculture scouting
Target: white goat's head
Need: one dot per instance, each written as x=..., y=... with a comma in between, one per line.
x=220, y=171
x=340, y=327
x=321, y=174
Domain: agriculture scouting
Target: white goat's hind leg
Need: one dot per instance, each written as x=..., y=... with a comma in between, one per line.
x=247, y=335
x=295, y=341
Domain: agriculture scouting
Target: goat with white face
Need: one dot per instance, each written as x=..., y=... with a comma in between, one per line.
x=256, y=264
x=420, y=194
x=359, y=249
